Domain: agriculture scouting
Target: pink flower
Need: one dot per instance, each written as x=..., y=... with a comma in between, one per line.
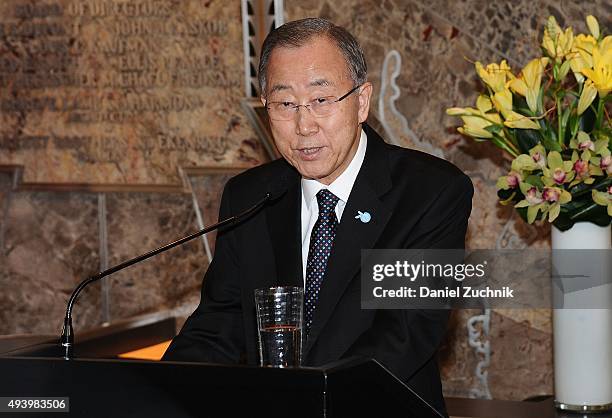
x=538, y=159
x=606, y=163
x=588, y=144
x=514, y=179
x=551, y=194
x=582, y=168
x=559, y=175
x=533, y=197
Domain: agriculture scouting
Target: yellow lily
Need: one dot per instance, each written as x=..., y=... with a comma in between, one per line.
x=556, y=42
x=582, y=55
x=502, y=101
x=476, y=120
x=586, y=97
x=483, y=103
x=483, y=107
x=494, y=75
x=593, y=26
x=518, y=121
x=601, y=73
x=474, y=126
x=528, y=83
x=605, y=45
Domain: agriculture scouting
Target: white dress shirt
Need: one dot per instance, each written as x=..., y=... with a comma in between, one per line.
x=341, y=187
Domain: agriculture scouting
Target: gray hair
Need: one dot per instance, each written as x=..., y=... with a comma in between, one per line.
x=295, y=34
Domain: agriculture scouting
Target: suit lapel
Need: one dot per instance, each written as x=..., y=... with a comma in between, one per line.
x=284, y=226
x=372, y=182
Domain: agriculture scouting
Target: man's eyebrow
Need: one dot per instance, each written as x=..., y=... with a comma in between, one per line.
x=278, y=87
x=321, y=82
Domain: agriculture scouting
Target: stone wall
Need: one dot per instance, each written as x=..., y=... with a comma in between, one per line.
x=52, y=237
x=115, y=92
x=120, y=122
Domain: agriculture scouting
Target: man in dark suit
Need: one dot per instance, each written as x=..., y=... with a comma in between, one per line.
x=313, y=79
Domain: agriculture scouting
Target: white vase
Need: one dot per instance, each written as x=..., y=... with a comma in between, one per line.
x=583, y=337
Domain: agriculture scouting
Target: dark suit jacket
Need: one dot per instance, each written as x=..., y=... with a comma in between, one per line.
x=416, y=201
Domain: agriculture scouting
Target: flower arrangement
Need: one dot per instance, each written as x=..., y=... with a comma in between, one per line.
x=553, y=121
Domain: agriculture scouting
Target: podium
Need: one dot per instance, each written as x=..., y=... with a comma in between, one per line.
x=129, y=388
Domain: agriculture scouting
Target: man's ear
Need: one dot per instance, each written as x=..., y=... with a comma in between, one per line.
x=365, y=94
x=263, y=100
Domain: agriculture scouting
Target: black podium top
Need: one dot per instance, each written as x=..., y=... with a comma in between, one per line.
x=126, y=388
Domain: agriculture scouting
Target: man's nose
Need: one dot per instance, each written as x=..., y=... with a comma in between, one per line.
x=305, y=123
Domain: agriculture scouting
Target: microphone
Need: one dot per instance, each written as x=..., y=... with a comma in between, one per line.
x=67, y=337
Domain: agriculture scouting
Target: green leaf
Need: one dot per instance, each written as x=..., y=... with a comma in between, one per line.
x=581, y=209
x=508, y=200
x=479, y=139
x=500, y=143
x=593, y=213
x=563, y=223
x=522, y=212
x=541, y=100
x=505, y=195
x=526, y=139
x=580, y=190
x=550, y=141
x=564, y=120
x=564, y=69
x=536, y=180
x=588, y=118
x=494, y=129
x=573, y=122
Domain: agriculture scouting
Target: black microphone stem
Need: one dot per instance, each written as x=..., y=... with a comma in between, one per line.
x=67, y=338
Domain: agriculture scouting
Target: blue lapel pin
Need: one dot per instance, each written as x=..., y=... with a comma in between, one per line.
x=364, y=217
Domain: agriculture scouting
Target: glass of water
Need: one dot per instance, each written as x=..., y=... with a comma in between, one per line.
x=279, y=321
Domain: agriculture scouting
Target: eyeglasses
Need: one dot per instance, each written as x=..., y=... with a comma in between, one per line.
x=319, y=107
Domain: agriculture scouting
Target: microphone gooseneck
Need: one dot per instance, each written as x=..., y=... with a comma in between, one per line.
x=67, y=337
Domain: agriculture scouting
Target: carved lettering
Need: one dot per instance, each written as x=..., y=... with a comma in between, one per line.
x=130, y=84
x=28, y=29
x=173, y=27
x=129, y=8
x=33, y=10
x=23, y=143
x=48, y=103
x=57, y=47
x=216, y=146
x=119, y=46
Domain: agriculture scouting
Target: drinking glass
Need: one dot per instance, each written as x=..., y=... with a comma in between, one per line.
x=279, y=322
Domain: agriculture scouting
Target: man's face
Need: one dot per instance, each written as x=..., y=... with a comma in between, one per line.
x=319, y=148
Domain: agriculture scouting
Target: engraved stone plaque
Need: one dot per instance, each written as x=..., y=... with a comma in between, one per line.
x=121, y=94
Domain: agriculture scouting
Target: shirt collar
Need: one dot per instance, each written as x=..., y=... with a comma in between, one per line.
x=343, y=185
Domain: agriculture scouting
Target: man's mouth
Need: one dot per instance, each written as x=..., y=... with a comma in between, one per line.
x=309, y=152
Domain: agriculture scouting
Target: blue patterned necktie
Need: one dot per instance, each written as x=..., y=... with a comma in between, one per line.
x=321, y=241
